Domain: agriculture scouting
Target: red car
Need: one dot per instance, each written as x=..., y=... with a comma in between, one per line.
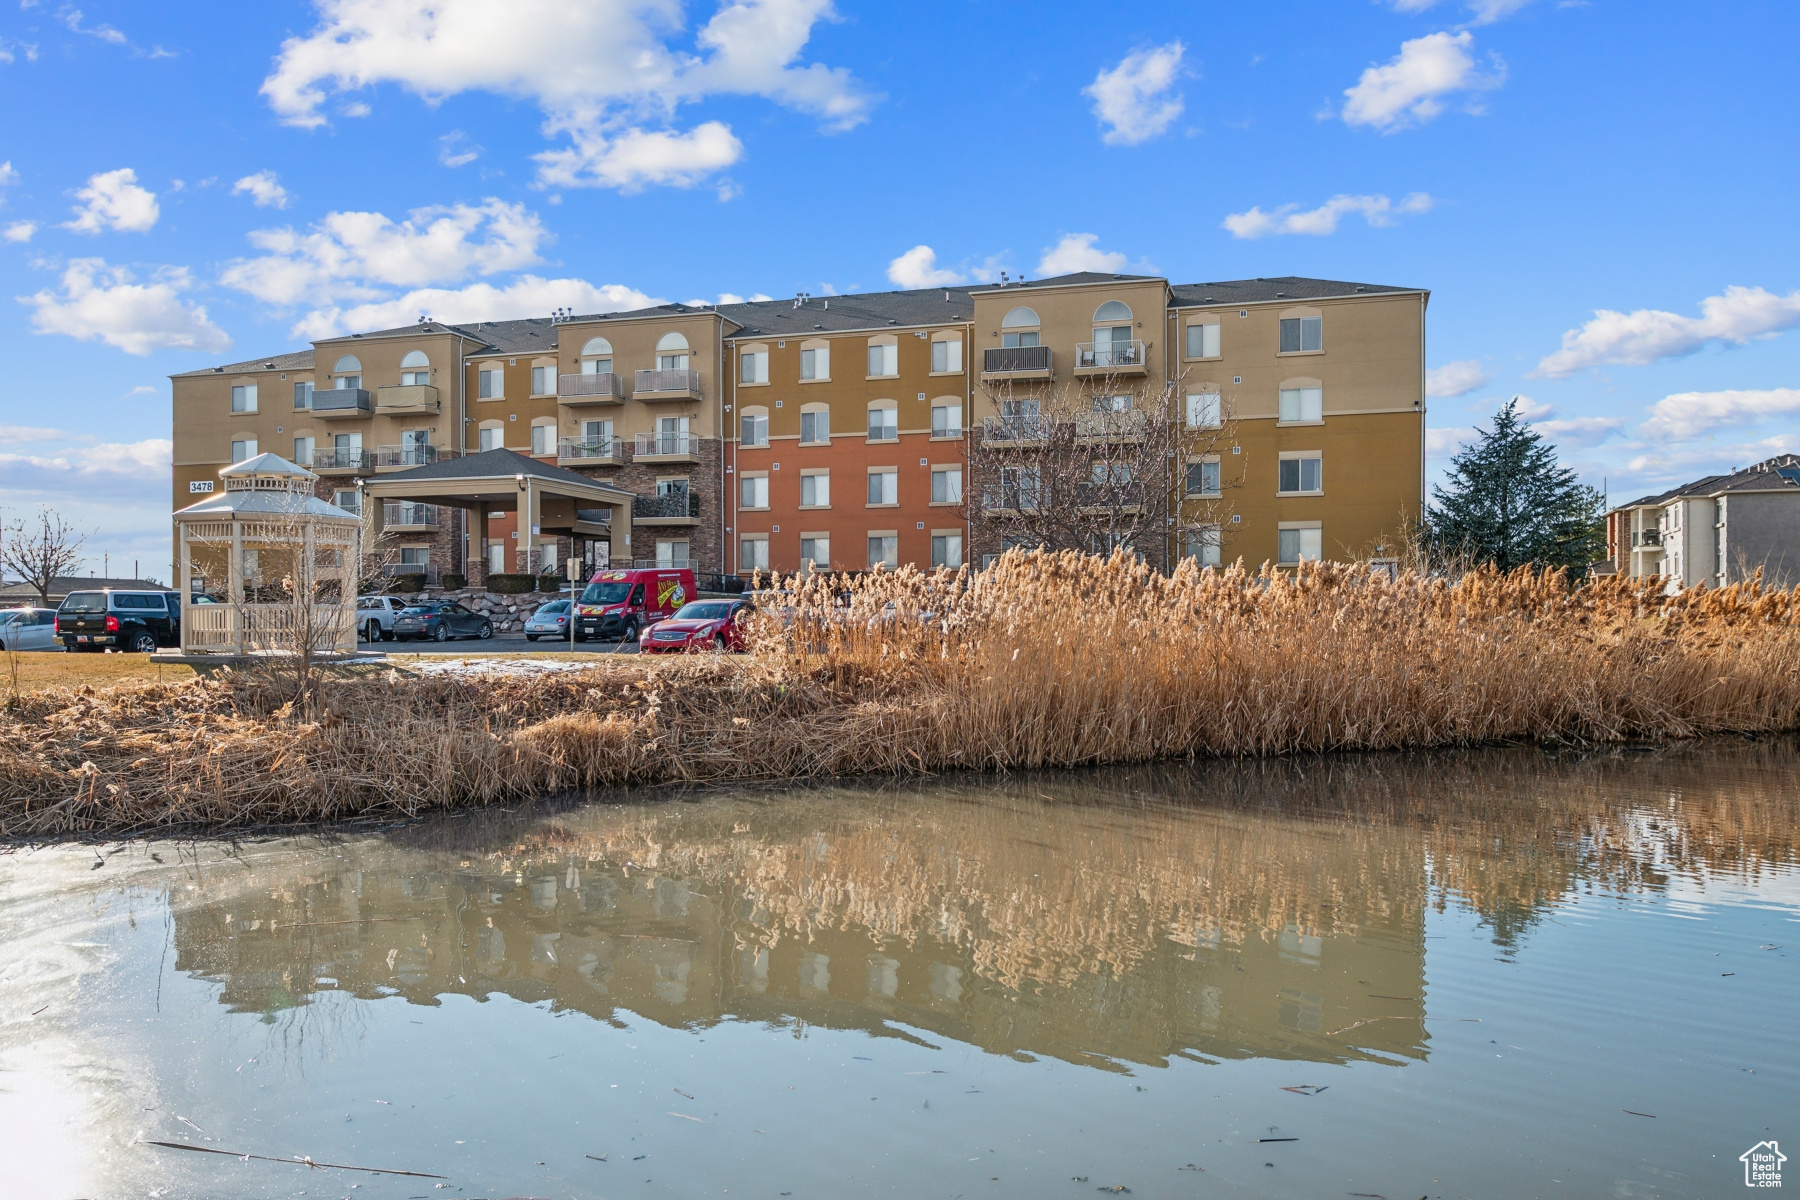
x=702, y=625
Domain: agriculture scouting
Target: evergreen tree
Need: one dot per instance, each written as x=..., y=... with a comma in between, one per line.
x=1507, y=501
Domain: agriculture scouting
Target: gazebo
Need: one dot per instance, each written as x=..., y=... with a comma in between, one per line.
x=268, y=523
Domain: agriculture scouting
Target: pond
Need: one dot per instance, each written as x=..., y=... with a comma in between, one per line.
x=1496, y=973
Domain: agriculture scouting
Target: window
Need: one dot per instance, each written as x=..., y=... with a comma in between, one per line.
x=946, y=550
x=1301, y=474
x=1019, y=319
x=1112, y=312
x=668, y=554
x=1113, y=404
x=1201, y=544
x=596, y=357
x=884, y=424
x=543, y=439
x=1300, y=335
x=884, y=550
x=242, y=448
x=303, y=395
x=1010, y=341
x=543, y=381
x=1203, y=410
x=243, y=397
x=1302, y=404
x=884, y=360
x=415, y=369
x=415, y=556
x=1018, y=487
x=753, y=366
x=597, y=433
x=815, y=363
x=946, y=420
x=753, y=554
x=1203, y=478
x=815, y=551
x=1203, y=341
x=672, y=487
x=753, y=491
x=946, y=355
x=348, y=499
x=492, y=384
x=753, y=427
x=1301, y=545
x=496, y=558
x=348, y=371
x=946, y=485
x=815, y=427
x=303, y=451
x=672, y=352
x=493, y=437
x=884, y=486
x=815, y=491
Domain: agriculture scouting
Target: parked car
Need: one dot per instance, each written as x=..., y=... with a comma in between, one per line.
x=28, y=629
x=114, y=619
x=375, y=616
x=440, y=620
x=702, y=625
x=617, y=604
x=550, y=620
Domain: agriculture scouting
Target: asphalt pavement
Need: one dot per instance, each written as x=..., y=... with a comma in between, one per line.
x=500, y=643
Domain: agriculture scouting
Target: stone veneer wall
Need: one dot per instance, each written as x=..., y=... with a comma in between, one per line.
x=704, y=547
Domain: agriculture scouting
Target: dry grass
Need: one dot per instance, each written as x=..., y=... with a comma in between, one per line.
x=46, y=670
x=1045, y=660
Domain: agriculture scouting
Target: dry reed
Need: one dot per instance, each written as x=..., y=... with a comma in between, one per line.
x=1043, y=660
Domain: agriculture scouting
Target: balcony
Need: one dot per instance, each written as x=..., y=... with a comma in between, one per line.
x=654, y=386
x=398, y=458
x=1110, y=358
x=597, y=519
x=411, y=518
x=1009, y=498
x=403, y=399
x=1100, y=497
x=666, y=447
x=1111, y=426
x=1647, y=537
x=340, y=460
x=590, y=452
x=601, y=388
x=1029, y=429
x=663, y=564
x=678, y=508
x=1016, y=362
x=336, y=403
x=403, y=569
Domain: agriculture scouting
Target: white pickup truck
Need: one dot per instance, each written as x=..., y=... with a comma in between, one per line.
x=375, y=616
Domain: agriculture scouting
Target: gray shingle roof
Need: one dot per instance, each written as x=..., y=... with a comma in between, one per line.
x=864, y=310
x=62, y=585
x=1072, y=279
x=1281, y=287
x=294, y=360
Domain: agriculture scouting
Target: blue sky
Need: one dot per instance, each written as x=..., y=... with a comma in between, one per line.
x=1599, y=195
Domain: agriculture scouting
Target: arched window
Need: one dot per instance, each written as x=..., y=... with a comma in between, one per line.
x=672, y=352
x=599, y=347
x=348, y=372
x=1111, y=311
x=597, y=357
x=1113, y=345
x=415, y=369
x=1025, y=322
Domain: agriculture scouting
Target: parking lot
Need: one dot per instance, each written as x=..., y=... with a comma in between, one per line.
x=501, y=643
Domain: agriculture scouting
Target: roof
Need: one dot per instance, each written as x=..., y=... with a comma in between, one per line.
x=863, y=310
x=62, y=585
x=267, y=465
x=294, y=360
x=278, y=503
x=1778, y=474
x=493, y=464
x=1072, y=279
x=1279, y=287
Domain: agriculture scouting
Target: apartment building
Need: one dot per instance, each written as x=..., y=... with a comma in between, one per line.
x=823, y=431
x=1717, y=530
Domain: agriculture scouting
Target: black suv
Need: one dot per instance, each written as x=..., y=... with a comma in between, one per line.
x=118, y=620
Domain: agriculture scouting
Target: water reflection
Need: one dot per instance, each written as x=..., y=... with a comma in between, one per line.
x=1113, y=918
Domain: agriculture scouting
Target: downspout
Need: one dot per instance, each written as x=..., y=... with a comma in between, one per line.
x=1424, y=299
x=727, y=519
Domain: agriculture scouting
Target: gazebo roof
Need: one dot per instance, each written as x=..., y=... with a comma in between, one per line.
x=266, y=465
x=230, y=505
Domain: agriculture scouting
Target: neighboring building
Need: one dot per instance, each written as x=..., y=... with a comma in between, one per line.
x=1718, y=530
x=17, y=595
x=823, y=431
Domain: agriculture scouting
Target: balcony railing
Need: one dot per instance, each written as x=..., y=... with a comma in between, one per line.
x=342, y=458
x=678, y=504
x=1010, y=497
x=661, y=384
x=1648, y=537
x=1016, y=360
x=1026, y=428
x=1109, y=496
x=1109, y=356
x=594, y=516
x=665, y=444
x=409, y=455
x=1105, y=426
x=595, y=450
x=426, y=569
x=663, y=564
x=599, y=388
x=401, y=514
x=405, y=398
x=342, y=402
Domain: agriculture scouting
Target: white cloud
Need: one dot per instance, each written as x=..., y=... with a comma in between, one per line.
x=1457, y=378
x=106, y=33
x=1485, y=12
x=918, y=268
x=1077, y=252
x=1136, y=99
x=1323, y=220
x=1411, y=89
x=113, y=200
x=605, y=72
x=8, y=55
x=10, y=434
x=1579, y=432
x=525, y=296
x=1645, y=335
x=1442, y=443
x=1691, y=414
x=8, y=176
x=455, y=149
x=1531, y=410
x=734, y=298
x=263, y=189
x=20, y=231
x=635, y=158
x=349, y=255
x=1665, y=465
x=105, y=303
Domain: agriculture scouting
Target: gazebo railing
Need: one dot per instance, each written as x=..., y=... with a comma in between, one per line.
x=246, y=628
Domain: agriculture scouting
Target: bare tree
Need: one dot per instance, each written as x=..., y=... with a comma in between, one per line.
x=40, y=551
x=1104, y=463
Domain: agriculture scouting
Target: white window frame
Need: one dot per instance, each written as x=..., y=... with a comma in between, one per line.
x=1218, y=474
x=1306, y=538
x=242, y=449
x=753, y=490
x=952, y=426
x=889, y=548
x=753, y=367
x=884, y=487
x=753, y=552
x=490, y=383
x=1205, y=410
x=815, y=482
x=815, y=415
x=1301, y=457
x=950, y=356
x=758, y=421
x=815, y=364
x=947, y=548
x=1309, y=335
x=243, y=397
x=819, y=558
x=891, y=424
x=946, y=484
x=1303, y=405
x=1202, y=340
